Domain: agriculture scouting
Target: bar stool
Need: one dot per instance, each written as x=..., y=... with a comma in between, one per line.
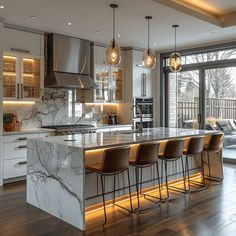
x=214, y=146
x=195, y=147
x=146, y=156
x=114, y=161
x=172, y=151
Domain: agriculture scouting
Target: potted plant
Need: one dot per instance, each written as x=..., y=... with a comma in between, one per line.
x=8, y=121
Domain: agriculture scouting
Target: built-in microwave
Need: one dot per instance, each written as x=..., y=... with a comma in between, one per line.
x=147, y=123
x=146, y=105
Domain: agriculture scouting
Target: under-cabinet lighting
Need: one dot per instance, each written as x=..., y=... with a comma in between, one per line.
x=28, y=59
x=99, y=104
x=9, y=57
x=19, y=102
x=9, y=73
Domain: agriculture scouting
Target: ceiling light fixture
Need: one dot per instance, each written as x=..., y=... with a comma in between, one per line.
x=113, y=53
x=2, y=7
x=175, y=57
x=32, y=17
x=69, y=23
x=149, y=57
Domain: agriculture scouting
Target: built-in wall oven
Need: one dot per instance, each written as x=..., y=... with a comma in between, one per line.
x=147, y=123
x=146, y=105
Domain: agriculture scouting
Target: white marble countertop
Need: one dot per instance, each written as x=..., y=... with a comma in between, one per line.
x=28, y=131
x=104, y=140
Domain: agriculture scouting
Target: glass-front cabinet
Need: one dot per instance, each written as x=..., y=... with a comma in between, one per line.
x=22, y=77
x=110, y=83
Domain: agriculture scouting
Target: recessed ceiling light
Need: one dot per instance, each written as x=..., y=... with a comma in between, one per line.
x=118, y=35
x=32, y=17
x=69, y=23
x=2, y=7
x=96, y=32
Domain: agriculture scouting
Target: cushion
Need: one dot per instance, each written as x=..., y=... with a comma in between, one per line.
x=232, y=124
x=224, y=126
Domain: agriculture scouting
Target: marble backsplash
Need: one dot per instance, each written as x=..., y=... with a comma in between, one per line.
x=53, y=110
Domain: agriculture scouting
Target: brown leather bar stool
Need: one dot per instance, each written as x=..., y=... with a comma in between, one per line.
x=172, y=151
x=146, y=156
x=214, y=146
x=114, y=161
x=195, y=147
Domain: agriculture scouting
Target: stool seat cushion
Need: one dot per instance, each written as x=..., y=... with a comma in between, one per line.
x=96, y=167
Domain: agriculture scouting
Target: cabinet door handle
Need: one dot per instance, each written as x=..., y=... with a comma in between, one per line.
x=22, y=146
x=20, y=50
x=18, y=91
x=22, y=138
x=22, y=162
x=21, y=91
x=144, y=84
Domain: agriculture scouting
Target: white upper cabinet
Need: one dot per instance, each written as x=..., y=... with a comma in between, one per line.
x=24, y=42
x=142, y=79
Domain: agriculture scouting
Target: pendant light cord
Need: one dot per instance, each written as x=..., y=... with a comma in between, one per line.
x=114, y=24
x=175, y=39
x=148, y=32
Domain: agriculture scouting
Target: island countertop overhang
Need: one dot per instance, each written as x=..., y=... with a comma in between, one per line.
x=112, y=139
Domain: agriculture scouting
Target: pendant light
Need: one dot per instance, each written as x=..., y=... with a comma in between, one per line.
x=113, y=53
x=175, y=57
x=149, y=57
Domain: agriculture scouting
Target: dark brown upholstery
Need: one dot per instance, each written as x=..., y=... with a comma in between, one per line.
x=194, y=145
x=173, y=149
x=113, y=160
x=146, y=154
x=215, y=143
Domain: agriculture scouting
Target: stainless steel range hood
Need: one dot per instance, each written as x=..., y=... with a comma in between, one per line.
x=68, y=63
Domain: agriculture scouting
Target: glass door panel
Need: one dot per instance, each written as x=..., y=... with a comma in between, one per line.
x=31, y=78
x=102, y=80
x=183, y=99
x=117, y=84
x=220, y=105
x=9, y=76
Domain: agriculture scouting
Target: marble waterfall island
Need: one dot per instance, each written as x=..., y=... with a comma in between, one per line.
x=56, y=179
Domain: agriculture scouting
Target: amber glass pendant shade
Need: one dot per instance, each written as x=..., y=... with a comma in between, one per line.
x=113, y=54
x=175, y=62
x=149, y=59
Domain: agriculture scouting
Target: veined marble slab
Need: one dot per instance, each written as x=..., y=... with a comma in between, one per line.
x=56, y=167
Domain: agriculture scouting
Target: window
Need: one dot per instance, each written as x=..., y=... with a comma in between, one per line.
x=75, y=109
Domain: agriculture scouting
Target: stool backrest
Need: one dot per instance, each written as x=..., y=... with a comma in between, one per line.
x=215, y=142
x=115, y=159
x=195, y=145
x=173, y=148
x=147, y=153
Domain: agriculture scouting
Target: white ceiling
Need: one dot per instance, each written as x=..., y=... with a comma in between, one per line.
x=88, y=16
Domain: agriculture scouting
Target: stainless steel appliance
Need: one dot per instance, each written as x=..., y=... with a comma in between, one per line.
x=68, y=63
x=146, y=105
x=146, y=123
x=72, y=129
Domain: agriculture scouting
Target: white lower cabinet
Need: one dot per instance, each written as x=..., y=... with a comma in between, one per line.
x=15, y=154
x=14, y=168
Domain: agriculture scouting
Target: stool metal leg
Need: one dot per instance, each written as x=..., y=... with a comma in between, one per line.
x=158, y=177
x=114, y=194
x=130, y=194
x=187, y=167
x=183, y=174
x=103, y=198
x=137, y=184
x=167, y=186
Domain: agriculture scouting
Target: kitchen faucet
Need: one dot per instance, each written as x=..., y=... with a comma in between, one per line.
x=140, y=128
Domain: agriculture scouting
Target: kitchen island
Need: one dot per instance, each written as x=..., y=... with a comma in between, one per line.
x=57, y=181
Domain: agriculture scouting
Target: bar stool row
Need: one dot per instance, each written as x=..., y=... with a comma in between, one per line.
x=117, y=160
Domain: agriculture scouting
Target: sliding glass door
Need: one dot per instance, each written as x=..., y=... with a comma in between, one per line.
x=220, y=105
x=183, y=99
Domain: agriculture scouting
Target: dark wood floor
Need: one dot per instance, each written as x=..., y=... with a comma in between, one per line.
x=210, y=212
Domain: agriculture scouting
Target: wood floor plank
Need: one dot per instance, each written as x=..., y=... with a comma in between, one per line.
x=210, y=212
